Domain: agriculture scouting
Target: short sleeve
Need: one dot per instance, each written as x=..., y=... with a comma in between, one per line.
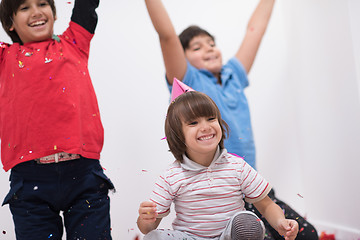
x=252, y=184
x=162, y=196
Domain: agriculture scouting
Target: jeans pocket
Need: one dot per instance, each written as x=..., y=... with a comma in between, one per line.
x=99, y=173
x=15, y=186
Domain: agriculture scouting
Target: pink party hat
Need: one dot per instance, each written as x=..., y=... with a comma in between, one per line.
x=179, y=88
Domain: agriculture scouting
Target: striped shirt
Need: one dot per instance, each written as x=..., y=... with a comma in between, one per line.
x=206, y=198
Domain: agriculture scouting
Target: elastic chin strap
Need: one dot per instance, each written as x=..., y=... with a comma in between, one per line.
x=247, y=226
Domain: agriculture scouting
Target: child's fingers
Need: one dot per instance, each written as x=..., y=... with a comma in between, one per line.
x=147, y=210
x=147, y=204
x=293, y=231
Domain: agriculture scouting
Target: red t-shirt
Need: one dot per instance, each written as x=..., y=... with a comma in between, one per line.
x=47, y=101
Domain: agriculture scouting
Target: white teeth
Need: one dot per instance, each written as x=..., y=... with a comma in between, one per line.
x=206, y=138
x=37, y=23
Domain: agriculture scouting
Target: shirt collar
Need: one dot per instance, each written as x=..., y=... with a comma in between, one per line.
x=225, y=75
x=190, y=165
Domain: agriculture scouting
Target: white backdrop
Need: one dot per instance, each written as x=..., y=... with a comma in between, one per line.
x=304, y=99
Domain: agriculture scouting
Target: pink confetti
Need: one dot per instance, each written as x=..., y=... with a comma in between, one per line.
x=300, y=195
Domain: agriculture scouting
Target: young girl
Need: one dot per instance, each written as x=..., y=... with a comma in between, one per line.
x=50, y=127
x=206, y=183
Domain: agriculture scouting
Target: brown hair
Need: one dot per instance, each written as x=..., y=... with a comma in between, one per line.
x=189, y=106
x=10, y=7
x=189, y=33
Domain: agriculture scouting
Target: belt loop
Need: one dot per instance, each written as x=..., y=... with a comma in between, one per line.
x=56, y=157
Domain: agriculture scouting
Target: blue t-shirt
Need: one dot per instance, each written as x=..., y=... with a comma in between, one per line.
x=231, y=101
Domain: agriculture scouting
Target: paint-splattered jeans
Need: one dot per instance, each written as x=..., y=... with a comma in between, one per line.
x=77, y=188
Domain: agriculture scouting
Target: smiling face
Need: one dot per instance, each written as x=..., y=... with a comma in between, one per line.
x=194, y=126
x=202, y=53
x=34, y=21
x=202, y=136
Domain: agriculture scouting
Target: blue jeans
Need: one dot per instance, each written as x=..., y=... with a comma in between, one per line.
x=77, y=188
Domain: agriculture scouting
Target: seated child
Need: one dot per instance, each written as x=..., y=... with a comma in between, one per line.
x=206, y=183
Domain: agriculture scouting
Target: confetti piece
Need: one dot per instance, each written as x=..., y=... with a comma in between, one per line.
x=163, y=138
x=21, y=64
x=36, y=188
x=48, y=60
x=300, y=195
x=4, y=232
x=55, y=147
x=50, y=235
x=144, y=170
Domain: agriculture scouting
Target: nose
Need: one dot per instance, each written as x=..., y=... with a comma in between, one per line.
x=209, y=47
x=204, y=126
x=35, y=11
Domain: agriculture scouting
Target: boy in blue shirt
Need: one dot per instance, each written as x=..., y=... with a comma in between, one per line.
x=193, y=58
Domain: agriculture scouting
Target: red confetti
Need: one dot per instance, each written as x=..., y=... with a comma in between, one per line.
x=300, y=195
x=325, y=236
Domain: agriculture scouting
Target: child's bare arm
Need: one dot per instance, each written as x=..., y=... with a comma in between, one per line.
x=147, y=220
x=255, y=31
x=172, y=51
x=275, y=216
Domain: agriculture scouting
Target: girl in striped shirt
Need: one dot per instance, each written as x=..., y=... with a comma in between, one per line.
x=207, y=184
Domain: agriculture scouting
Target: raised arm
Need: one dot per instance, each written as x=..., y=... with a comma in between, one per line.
x=84, y=14
x=255, y=31
x=172, y=51
x=275, y=216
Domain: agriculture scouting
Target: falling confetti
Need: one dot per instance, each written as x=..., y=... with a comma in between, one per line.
x=4, y=232
x=300, y=195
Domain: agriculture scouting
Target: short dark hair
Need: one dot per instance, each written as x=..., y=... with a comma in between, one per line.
x=189, y=33
x=10, y=7
x=187, y=107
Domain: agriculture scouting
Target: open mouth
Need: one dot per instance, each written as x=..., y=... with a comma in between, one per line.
x=37, y=23
x=207, y=137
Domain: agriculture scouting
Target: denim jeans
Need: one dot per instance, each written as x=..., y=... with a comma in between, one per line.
x=77, y=188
